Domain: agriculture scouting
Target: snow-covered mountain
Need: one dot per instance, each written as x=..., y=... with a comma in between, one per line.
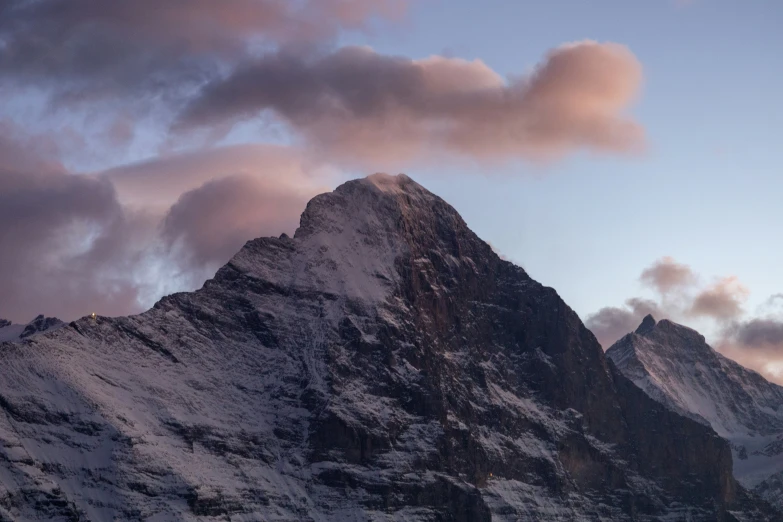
x=383, y=364
x=674, y=365
x=15, y=332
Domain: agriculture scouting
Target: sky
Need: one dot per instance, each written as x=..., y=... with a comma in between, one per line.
x=624, y=153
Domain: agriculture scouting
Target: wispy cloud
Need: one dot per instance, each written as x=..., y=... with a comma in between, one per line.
x=756, y=343
x=613, y=322
x=680, y=294
x=96, y=83
x=722, y=300
x=71, y=245
x=667, y=275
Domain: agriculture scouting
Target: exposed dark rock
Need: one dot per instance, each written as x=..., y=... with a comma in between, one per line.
x=648, y=323
x=40, y=324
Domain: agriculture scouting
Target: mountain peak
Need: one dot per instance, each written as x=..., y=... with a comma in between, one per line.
x=392, y=183
x=354, y=237
x=376, y=200
x=382, y=363
x=666, y=329
x=648, y=323
x=16, y=332
x=670, y=333
x=674, y=365
x=41, y=324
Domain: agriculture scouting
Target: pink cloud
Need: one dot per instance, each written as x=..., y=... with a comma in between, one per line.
x=156, y=184
x=611, y=323
x=209, y=224
x=360, y=106
x=73, y=244
x=666, y=275
x=679, y=297
x=756, y=343
x=722, y=301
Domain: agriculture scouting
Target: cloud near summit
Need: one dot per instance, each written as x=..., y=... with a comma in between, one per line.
x=114, y=242
x=681, y=294
x=115, y=186
x=356, y=105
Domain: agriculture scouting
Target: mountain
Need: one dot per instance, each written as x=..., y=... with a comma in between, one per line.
x=674, y=365
x=14, y=332
x=382, y=364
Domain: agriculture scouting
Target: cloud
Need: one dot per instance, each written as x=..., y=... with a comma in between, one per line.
x=500, y=254
x=722, y=301
x=211, y=202
x=611, y=323
x=118, y=73
x=669, y=279
x=103, y=80
x=114, y=73
x=210, y=224
x=666, y=275
x=680, y=297
x=756, y=343
x=357, y=105
x=156, y=184
x=93, y=45
x=73, y=244
x=773, y=304
x=761, y=334
x=63, y=238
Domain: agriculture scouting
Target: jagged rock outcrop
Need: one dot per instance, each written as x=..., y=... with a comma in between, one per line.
x=382, y=364
x=39, y=325
x=675, y=366
x=14, y=332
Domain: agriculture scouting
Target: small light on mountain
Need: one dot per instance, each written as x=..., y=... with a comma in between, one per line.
x=92, y=315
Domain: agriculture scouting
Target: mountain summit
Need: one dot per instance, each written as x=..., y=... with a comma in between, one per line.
x=674, y=365
x=382, y=364
x=648, y=323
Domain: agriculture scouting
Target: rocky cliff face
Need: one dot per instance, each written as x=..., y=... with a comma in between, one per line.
x=382, y=364
x=675, y=366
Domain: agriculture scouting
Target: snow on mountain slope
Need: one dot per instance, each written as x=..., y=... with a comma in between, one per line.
x=383, y=364
x=674, y=365
x=10, y=331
